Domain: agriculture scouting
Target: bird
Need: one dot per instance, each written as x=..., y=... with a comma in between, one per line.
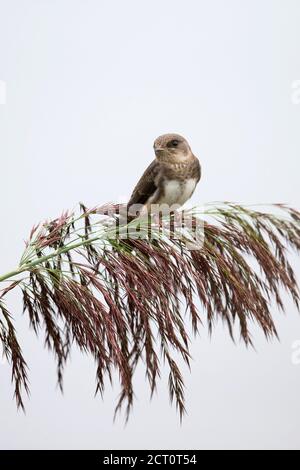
x=170, y=179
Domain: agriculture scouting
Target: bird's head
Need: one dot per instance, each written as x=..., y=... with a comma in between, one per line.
x=172, y=147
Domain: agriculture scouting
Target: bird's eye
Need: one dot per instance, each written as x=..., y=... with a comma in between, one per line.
x=173, y=143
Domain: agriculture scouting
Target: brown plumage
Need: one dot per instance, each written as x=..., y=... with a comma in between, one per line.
x=170, y=179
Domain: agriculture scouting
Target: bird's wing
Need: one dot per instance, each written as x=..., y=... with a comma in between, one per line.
x=146, y=186
x=197, y=169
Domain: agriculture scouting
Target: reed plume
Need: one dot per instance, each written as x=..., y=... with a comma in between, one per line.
x=126, y=300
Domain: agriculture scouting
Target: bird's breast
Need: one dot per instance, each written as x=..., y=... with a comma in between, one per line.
x=177, y=191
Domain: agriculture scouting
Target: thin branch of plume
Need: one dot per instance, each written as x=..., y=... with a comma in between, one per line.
x=124, y=299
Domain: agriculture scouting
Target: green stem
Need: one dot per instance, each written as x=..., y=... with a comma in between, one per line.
x=42, y=259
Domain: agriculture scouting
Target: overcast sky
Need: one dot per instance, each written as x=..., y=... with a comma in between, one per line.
x=86, y=87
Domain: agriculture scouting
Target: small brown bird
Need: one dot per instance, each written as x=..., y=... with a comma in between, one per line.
x=170, y=179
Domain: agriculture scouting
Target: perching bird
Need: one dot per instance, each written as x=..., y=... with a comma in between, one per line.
x=170, y=179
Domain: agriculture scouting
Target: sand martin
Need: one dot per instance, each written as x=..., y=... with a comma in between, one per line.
x=170, y=179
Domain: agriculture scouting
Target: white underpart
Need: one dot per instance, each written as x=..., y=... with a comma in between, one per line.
x=178, y=192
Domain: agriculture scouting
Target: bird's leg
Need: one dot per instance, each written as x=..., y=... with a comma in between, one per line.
x=158, y=220
x=173, y=222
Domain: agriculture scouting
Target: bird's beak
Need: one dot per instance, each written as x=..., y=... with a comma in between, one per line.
x=158, y=150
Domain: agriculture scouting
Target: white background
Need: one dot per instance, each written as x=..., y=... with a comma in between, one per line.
x=90, y=84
